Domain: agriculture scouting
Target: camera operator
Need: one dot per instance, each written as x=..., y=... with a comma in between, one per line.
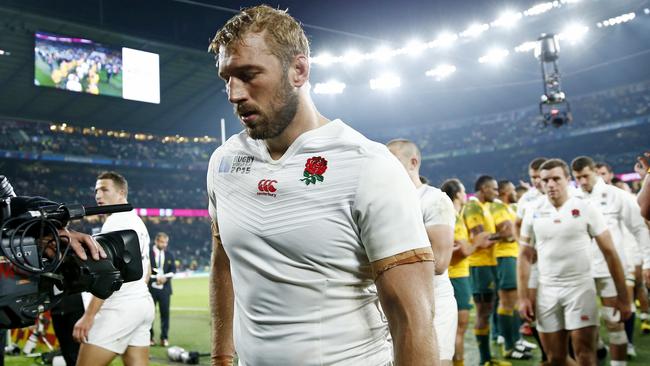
x=65, y=315
x=120, y=324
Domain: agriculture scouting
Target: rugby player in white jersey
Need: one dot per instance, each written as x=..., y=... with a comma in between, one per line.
x=439, y=220
x=605, y=171
x=308, y=218
x=566, y=306
x=120, y=324
x=642, y=167
x=619, y=211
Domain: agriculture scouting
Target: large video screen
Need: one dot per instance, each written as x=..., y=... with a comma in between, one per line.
x=85, y=66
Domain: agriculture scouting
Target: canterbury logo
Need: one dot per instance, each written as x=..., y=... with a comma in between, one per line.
x=266, y=187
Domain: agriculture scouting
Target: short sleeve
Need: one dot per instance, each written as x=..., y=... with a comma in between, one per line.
x=595, y=221
x=439, y=210
x=387, y=209
x=460, y=230
x=212, y=200
x=473, y=215
x=527, y=229
x=499, y=212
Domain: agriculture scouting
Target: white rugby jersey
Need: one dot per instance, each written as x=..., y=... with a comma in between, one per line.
x=129, y=290
x=563, y=239
x=300, y=233
x=437, y=209
x=620, y=210
x=526, y=200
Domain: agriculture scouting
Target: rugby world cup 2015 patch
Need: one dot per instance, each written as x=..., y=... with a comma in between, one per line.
x=236, y=164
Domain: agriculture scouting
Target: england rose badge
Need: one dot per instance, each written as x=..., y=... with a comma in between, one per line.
x=315, y=167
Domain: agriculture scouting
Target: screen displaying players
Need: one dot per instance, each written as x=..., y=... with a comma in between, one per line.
x=82, y=65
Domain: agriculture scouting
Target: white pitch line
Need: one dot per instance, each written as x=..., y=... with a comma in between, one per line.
x=190, y=308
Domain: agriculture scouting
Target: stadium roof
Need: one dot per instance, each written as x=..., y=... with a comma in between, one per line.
x=193, y=100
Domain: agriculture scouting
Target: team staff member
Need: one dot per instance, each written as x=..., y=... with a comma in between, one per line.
x=308, y=217
x=120, y=324
x=439, y=218
x=160, y=285
x=482, y=262
x=566, y=305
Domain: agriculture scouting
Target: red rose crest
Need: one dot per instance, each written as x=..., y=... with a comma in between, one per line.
x=314, y=170
x=575, y=212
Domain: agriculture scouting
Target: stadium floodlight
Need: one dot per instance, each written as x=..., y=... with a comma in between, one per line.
x=573, y=33
x=624, y=18
x=385, y=82
x=382, y=54
x=474, y=30
x=413, y=48
x=441, y=71
x=445, y=39
x=352, y=57
x=330, y=87
x=324, y=59
x=526, y=46
x=507, y=19
x=646, y=11
x=494, y=56
x=538, y=9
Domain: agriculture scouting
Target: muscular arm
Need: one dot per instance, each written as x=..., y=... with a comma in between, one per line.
x=441, y=238
x=524, y=261
x=606, y=246
x=221, y=303
x=85, y=323
x=462, y=249
x=406, y=295
x=506, y=230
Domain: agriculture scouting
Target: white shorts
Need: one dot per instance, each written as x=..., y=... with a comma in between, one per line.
x=605, y=287
x=445, y=321
x=566, y=307
x=117, y=328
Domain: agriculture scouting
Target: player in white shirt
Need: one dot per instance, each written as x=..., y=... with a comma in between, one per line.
x=563, y=227
x=308, y=217
x=439, y=220
x=619, y=211
x=120, y=324
x=528, y=199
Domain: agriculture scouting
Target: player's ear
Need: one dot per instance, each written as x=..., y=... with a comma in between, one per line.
x=299, y=71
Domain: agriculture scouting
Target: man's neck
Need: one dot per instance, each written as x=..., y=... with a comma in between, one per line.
x=307, y=118
x=415, y=178
x=457, y=205
x=558, y=202
x=504, y=199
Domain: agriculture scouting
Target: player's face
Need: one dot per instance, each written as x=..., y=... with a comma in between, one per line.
x=462, y=195
x=554, y=182
x=509, y=193
x=535, y=178
x=607, y=176
x=258, y=87
x=106, y=193
x=586, y=178
x=490, y=190
x=162, y=242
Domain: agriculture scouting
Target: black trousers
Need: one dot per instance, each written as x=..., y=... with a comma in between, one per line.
x=162, y=299
x=63, y=326
x=3, y=343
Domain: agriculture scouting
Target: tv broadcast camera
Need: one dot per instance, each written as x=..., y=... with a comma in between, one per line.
x=554, y=107
x=37, y=266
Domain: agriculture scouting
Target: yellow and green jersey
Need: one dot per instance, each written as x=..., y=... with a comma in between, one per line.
x=502, y=212
x=477, y=214
x=459, y=268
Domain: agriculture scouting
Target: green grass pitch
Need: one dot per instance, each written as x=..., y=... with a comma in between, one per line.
x=190, y=329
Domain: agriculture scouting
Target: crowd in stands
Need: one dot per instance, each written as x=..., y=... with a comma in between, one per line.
x=189, y=238
x=500, y=144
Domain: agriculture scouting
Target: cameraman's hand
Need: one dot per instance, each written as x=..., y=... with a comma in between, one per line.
x=78, y=241
x=82, y=327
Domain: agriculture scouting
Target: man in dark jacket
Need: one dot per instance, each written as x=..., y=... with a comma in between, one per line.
x=163, y=267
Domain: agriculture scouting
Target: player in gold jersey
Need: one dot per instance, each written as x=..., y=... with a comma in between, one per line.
x=459, y=265
x=482, y=262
